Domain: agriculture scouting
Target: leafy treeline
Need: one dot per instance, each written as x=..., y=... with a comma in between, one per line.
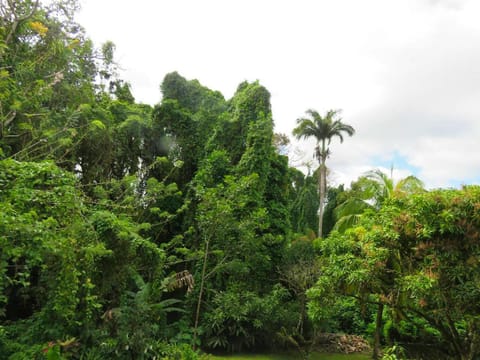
x=136, y=232
x=416, y=261
x=126, y=228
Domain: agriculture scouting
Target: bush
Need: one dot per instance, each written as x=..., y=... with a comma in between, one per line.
x=240, y=320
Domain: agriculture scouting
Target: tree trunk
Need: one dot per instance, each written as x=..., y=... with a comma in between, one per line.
x=322, y=180
x=200, y=294
x=474, y=339
x=378, y=332
x=301, y=319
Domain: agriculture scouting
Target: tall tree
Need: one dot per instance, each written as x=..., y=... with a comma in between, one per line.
x=323, y=129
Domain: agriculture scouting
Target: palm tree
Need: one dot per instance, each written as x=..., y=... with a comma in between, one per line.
x=323, y=129
x=373, y=189
x=387, y=188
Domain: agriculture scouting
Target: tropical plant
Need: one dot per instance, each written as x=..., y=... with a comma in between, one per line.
x=385, y=187
x=370, y=192
x=323, y=129
x=140, y=320
x=418, y=256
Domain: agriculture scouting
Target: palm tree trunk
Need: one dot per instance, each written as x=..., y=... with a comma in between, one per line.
x=321, y=189
x=322, y=185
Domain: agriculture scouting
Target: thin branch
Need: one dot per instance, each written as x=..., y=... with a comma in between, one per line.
x=18, y=19
x=216, y=267
x=10, y=117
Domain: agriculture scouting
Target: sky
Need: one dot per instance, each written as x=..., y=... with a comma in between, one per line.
x=405, y=73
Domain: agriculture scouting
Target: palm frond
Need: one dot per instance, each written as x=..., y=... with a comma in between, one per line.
x=410, y=185
x=351, y=207
x=166, y=306
x=349, y=213
x=347, y=222
x=182, y=279
x=384, y=182
x=313, y=113
x=322, y=128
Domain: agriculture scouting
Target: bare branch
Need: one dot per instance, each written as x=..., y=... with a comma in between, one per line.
x=9, y=118
x=17, y=19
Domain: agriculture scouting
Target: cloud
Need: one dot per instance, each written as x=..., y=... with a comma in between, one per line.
x=405, y=73
x=450, y=4
x=428, y=112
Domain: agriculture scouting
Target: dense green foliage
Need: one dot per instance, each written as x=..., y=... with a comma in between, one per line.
x=136, y=232
x=417, y=256
x=125, y=228
x=315, y=356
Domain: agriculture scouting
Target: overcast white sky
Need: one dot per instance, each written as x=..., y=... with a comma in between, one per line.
x=406, y=73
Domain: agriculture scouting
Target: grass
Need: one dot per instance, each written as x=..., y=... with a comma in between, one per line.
x=314, y=356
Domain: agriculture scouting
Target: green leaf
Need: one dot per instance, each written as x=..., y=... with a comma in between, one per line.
x=97, y=124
